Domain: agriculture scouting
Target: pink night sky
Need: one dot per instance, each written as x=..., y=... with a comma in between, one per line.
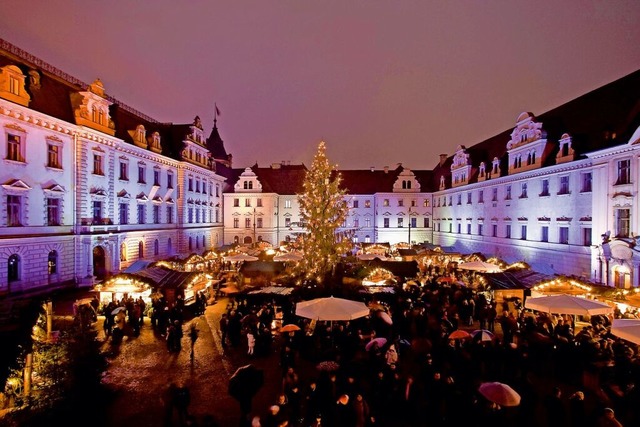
x=381, y=82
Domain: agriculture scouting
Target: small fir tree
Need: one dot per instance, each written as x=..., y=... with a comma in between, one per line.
x=323, y=210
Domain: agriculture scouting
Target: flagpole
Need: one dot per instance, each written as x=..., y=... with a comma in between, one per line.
x=215, y=114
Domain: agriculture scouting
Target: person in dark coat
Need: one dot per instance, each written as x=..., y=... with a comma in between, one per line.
x=577, y=409
x=556, y=414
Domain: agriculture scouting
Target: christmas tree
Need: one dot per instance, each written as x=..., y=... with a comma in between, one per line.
x=323, y=210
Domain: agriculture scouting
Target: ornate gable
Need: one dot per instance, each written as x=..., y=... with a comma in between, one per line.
x=460, y=167
x=248, y=183
x=406, y=182
x=528, y=145
x=16, y=185
x=91, y=109
x=12, y=85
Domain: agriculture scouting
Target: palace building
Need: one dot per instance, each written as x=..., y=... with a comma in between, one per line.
x=89, y=186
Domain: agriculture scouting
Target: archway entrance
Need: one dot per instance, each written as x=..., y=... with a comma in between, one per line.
x=247, y=240
x=99, y=262
x=621, y=277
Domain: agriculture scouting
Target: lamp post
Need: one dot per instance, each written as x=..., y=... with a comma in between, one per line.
x=409, y=219
x=254, y=227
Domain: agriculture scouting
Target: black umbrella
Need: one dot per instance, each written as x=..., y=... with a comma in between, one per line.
x=245, y=382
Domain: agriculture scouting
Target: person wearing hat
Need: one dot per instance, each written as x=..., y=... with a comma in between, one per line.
x=608, y=419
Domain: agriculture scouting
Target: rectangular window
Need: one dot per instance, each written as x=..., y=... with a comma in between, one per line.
x=355, y=204
x=53, y=211
x=494, y=230
x=624, y=172
x=287, y=222
x=586, y=236
x=544, y=233
x=287, y=204
x=367, y=222
x=169, y=180
x=356, y=222
x=479, y=229
x=142, y=172
x=450, y=227
x=97, y=211
x=14, y=211
x=385, y=202
x=399, y=222
x=156, y=178
x=190, y=215
x=367, y=203
x=97, y=165
x=507, y=231
x=523, y=191
x=523, y=232
x=236, y=222
x=14, y=85
x=426, y=222
x=54, y=159
x=247, y=223
x=400, y=203
x=123, y=213
x=586, y=182
x=494, y=194
x=469, y=198
x=563, y=235
x=508, y=193
x=169, y=215
x=124, y=171
x=13, y=148
x=142, y=214
x=259, y=222
x=426, y=203
x=259, y=203
x=545, y=188
x=564, y=185
x=156, y=214
x=198, y=186
x=386, y=223
x=247, y=203
x=236, y=203
x=468, y=228
x=450, y=199
x=459, y=228
x=481, y=196
x=413, y=222
x=623, y=221
x=413, y=203
x=459, y=199
x=190, y=184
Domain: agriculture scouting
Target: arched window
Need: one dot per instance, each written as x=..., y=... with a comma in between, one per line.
x=533, y=157
x=123, y=252
x=140, y=249
x=52, y=262
x=169, y=247
x=236, y=239
x=13, y=268
x=156, y=247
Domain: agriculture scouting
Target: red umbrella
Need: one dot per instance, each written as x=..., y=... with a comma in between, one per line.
x=376, y=342
x=290, y=328
x=459, y=335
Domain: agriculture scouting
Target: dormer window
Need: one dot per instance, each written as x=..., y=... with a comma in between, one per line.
x=248, y=185
x=12, y=85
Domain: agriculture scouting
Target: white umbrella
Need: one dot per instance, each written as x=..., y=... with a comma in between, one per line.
x=500, y=393
x=289, y=256
x=627, y=329
x=331, y=309
x=480, y=266
x=240, y=257
x=567, y=304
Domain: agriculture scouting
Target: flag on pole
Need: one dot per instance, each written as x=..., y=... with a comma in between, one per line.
x=217, y=110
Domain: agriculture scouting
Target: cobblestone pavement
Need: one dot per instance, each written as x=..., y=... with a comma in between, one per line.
x=141, y=368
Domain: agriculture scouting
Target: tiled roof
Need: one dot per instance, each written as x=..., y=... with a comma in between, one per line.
x=591, y=120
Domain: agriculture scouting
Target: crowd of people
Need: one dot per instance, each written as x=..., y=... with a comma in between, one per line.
x=420, y=376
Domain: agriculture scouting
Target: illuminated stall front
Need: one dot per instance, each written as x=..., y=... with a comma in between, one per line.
x=124, y=286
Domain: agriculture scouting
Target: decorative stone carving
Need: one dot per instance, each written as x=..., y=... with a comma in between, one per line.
x=12, y=86
x=91, y=109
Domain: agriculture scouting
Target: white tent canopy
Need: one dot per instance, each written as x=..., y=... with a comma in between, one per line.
x=332, y=309
x=567, y=304
x=289, y=256
x=240, y=258
x=627, y=329
x=480, y=266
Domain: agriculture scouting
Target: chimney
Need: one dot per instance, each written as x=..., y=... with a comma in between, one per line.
x=275, y=165
x=443, y=158
x=386, y=169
